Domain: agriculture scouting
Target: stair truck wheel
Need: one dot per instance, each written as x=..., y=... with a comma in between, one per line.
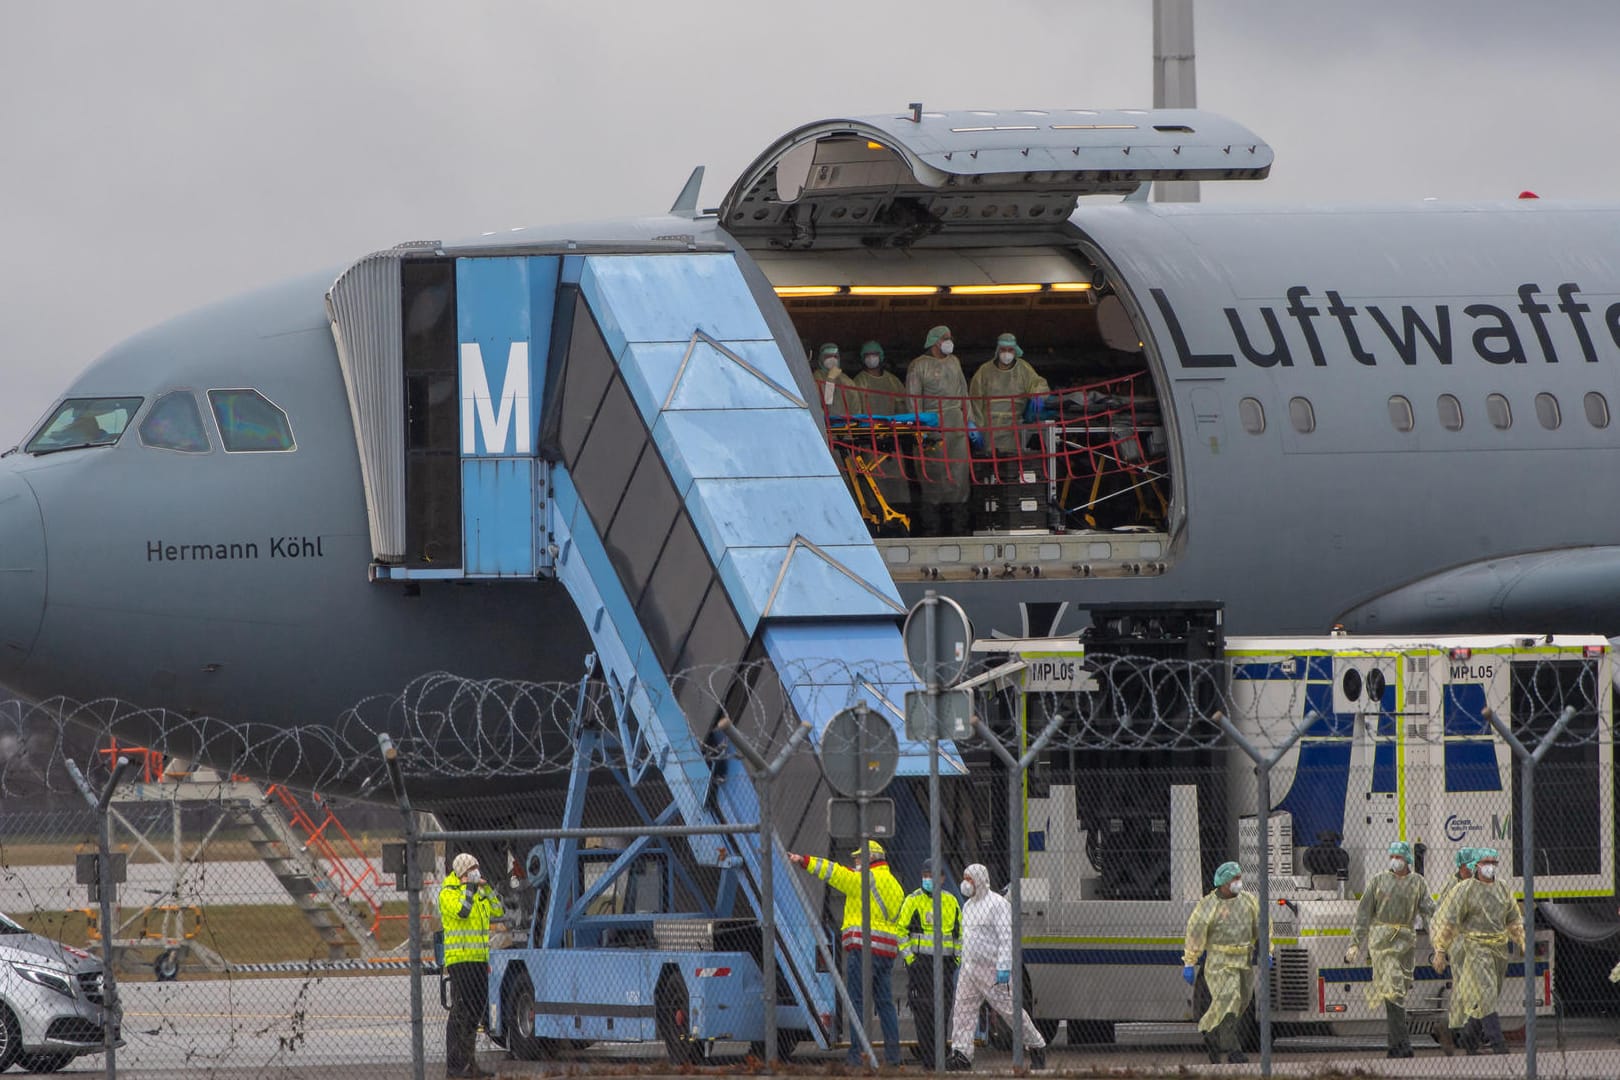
x=517, y=1019
x=672, y=1012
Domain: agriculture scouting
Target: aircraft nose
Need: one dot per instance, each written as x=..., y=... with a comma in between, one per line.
x=22, y=570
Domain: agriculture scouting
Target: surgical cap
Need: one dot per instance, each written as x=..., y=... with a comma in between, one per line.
x=1481, y=854
x=934, y=336
x=1008, y=341
x=1465, y=856
x=872, y=347
x=829, y=349
x=1401, y=848
x=1226, y=872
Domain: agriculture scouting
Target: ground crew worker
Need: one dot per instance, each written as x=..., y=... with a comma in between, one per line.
x=466, y=906
x=945, y=470
x=1451, y=1035
x=881, y=393
x=1484, y=913
x=1226, y=925
x=887, y=899
x=919, y=941
x=985, y=976
x=1384, y=928
x=833, y=385
x=1003, y=389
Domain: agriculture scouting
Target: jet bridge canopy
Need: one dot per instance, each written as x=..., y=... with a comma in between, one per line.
x=891, y=180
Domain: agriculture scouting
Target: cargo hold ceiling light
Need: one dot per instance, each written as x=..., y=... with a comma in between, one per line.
x=795, y=291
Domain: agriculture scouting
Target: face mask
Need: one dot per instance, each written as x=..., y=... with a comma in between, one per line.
x=871, y=360
x=474, y=877
x=928, y=885
x=947, y=347
x=1396, y=866
x=1236, y=885
x=830, y=363
x=1005, y=359
x=1487, y=873
x=967, y=888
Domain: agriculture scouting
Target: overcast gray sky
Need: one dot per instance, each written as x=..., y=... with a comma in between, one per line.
x=156, y=156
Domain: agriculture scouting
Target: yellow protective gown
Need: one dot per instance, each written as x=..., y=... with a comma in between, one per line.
x=1455, y=956
x=1228, y=930
x=837, y=392
x=946, y=470
x=1485, y=917
x=1389, y=906
x=881, y=393
x=996, y=411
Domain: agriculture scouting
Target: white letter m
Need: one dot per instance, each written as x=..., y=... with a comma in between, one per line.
x=478, y=411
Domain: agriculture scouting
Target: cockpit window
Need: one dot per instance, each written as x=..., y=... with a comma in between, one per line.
x=250, y=423
x=80, y=422
x=175, y=423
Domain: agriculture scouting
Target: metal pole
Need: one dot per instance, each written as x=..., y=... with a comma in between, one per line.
x=862, y=797
x=1263, y=764
x=764, y=778
x=1527, y=860
x=1015, y=768
x=110, y=1005
x=413, y=902
x=930, y=644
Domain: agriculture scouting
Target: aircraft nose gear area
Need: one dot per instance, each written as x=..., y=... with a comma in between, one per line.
x=22, y=571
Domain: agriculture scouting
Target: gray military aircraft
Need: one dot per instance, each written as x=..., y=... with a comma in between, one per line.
x=1375, y=416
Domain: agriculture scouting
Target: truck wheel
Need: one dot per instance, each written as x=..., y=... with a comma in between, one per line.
x=517, y=1020
x=672, y=1013
x=167, y=965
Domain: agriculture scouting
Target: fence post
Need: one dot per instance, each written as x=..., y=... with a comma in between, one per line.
x=1015, y=862
x=413, y=901
x=101, y=804
x=764, y=780
x=1527, y=859
x=937, y=941
x=1262, y=769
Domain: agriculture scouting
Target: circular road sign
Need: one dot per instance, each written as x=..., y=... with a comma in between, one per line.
x=859, y=752
x=953, y=637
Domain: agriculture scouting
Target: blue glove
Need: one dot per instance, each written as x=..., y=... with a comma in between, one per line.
x=1189, y=974
x=1004, y=976
x=1271, y=961
x=1034, y=407
x=975, y=436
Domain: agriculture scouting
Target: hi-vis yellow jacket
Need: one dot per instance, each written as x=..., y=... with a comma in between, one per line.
x=887, y=897
x=465, y=918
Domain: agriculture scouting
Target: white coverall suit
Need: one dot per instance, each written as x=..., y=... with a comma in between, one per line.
x=986, y=949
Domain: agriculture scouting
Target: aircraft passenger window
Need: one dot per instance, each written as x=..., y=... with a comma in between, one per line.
x=1302, y=415
x=1400, y=413
x=1253, y=414
x=1450, y=409
x=80, y=422
x=175, y=423
x=1499, y=412
x=1597, y=410
x=250, y=423
x=1547, y=412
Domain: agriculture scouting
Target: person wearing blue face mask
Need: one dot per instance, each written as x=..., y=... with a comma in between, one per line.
x=918, y=939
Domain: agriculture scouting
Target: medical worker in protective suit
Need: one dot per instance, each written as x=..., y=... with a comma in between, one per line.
x=1226, y=926
x=879, y=392
x=985, y=974
x=1384, y=931
x=1003, y=389
x=831, y=382
x=1451, y=1035
x=945, y=472
x=1483, y=914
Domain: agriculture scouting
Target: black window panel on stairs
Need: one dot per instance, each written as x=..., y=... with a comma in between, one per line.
x=432, y=413
x=716, y=638
x=607, y=460
x=670, y=604
x=585, y=375
x=642, y=524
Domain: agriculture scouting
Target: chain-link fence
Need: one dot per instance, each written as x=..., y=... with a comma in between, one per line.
x=258, y=928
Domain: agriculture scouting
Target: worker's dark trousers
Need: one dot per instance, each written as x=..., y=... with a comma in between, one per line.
x=920, y=996
x=1395, y=1021
x=1224, y=1039
x=469, y=999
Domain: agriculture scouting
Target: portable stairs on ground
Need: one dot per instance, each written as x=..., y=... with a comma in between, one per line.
x=323, y=869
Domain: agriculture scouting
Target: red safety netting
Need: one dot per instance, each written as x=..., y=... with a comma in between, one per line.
x=1073, y=451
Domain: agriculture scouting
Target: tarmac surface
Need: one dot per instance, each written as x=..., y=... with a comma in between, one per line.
x=356, y=1028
